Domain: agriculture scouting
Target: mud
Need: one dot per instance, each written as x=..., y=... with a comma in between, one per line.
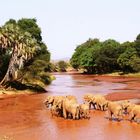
x=24, y=117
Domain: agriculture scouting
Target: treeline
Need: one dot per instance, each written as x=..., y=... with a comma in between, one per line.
x=60, y=66
x=24, y=57
x=108, y=56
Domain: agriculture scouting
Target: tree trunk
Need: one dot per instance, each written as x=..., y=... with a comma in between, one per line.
x=11, y=73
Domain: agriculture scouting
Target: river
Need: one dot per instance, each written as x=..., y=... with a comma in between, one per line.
x=24, y=117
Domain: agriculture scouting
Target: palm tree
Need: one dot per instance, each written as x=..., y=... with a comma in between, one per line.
x=23, y=48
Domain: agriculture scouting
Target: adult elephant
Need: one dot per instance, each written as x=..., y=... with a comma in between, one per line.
x=71, y=107
x=98, y=101
x=115, y=110
x=52, y=100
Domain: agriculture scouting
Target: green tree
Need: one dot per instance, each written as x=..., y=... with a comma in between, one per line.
x=106, y=60
x=97, y=57
x=30, y=25
x=11, y=21
x=129, y=60
x=62, y=65
x=137, y=44
x=82, y=54
x=22, y=51
x=22, y=47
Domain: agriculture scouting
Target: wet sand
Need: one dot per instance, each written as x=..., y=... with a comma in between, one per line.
x=24, y=117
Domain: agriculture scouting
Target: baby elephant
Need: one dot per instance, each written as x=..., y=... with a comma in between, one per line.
x=55, y=111
x=84, y=111
x=115, y=110
x=49, y=101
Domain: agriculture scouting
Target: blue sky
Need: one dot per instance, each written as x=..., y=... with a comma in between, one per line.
x=68, y=23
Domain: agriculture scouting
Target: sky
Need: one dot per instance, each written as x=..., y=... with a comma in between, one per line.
x=68, y=23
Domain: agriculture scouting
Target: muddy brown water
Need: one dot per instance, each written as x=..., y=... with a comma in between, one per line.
x=24, y=117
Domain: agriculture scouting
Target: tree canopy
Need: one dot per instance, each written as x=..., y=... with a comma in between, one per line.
x=108, y=56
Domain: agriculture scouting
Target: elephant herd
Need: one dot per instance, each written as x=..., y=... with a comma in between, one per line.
x=68, y=107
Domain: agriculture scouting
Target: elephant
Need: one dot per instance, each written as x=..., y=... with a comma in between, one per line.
x=87, y=97
x=58, y=103
x=70, y=107
x=84, y=111
x=126, y=106
x=91, y=99
x=137, y=118
x=134, y=112
x=98, y=101
x=49, y=101
x=52, y=100
x=58, y=100
x=114, y=110
x=130, y=108
x=55, y=111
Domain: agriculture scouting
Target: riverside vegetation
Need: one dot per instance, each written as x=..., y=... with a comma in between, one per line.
x=97, y=57
x=24, y=57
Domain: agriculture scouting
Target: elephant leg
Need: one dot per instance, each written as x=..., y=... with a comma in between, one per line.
x=64, y=113
x=101, y=107
x=110, y=115
x=69, y=115
x=115, y=115
x=104, y=107
x=131, y=116
x=74, y=116
x=90, y=105
x=78, y=115
x=87, y=114
x=97, y=106
x=137, y=119
x=120, y=114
